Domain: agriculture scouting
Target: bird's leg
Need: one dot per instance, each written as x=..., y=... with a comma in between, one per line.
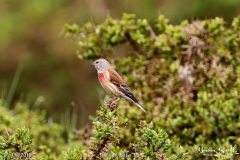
x=112, y=102
x=109, y=102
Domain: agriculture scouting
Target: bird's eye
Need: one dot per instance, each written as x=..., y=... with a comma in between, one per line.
x=97, y=62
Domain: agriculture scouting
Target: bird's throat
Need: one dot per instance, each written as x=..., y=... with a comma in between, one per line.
x=101, y=77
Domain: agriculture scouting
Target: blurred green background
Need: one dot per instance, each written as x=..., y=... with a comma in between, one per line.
x=52, y=77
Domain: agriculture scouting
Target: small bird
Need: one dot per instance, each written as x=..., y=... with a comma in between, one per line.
x=112, y=82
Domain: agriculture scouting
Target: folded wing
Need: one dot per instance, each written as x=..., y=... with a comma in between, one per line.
x=119, y=82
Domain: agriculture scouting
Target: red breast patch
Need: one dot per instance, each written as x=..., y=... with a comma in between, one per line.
x=101, y=77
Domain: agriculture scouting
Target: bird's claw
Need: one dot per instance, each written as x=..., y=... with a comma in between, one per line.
x=106, y=104
x=113, y=105
x=110, y=104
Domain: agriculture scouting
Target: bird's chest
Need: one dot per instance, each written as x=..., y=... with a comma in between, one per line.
x=107, y=85
x=102, y=78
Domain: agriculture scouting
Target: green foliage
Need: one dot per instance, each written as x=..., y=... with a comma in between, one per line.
x=186, y=76
x=16, y=144
x=27, y=132
x=50, y=140
x=152, y=143
x=73, y=154
x=111, y=139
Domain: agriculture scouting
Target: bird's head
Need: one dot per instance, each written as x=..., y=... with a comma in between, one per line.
x=101, y=64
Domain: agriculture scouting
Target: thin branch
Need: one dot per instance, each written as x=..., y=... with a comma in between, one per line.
x=134, y=46
x=153, y=35
x=97, y=152
x=7, y=132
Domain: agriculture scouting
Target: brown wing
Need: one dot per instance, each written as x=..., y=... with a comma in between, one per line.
x=115, y=77
x=119, y=82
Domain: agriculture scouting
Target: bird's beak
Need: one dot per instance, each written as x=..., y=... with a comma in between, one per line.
x=92, y=64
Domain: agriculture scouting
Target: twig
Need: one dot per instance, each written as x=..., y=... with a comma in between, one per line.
x=97, y=152
x=153, y=35
x=134, y=46
x=7, y=132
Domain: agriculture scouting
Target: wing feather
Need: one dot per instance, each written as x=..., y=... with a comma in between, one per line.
x=116, y=79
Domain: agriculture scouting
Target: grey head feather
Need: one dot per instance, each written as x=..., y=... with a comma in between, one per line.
x=101, y=64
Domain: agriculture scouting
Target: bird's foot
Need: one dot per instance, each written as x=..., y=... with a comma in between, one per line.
x=112, y=102
x=107, y=103
x=112, y=105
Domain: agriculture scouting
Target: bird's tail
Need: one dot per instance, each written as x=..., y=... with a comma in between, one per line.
x=140, y=107
x=129, y=96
